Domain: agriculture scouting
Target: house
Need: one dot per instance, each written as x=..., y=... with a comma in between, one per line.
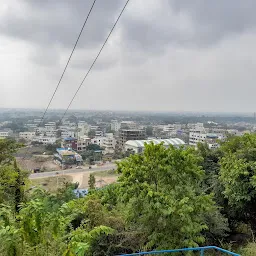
x=67, y=156
x=27, y=135
x=45, y=139
x=6, y=133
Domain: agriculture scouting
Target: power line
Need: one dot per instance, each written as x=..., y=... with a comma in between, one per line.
x=94, y=60
x=57, y=87
x=64, y=71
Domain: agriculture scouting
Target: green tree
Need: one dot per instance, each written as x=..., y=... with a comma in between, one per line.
x=91, y=134
x=12, y=179
x=91, y=181
x=238, y=178
x=149, y=130
x=51, y=148
x=93, y=147
x=161, y=191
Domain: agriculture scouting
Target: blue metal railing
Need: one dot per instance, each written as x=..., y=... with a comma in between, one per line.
x=200, y=249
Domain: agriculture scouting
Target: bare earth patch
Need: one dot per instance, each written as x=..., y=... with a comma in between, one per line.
x=101, y=179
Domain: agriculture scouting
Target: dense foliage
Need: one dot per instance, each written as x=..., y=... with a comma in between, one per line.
x=164, y=198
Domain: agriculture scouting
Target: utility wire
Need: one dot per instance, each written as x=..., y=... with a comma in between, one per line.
x=79, y=87
x=57, y=87
x=62, y=75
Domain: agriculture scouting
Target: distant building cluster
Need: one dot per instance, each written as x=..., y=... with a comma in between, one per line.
x=116, y=136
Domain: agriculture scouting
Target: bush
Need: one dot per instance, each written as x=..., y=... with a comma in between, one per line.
x=249, y=250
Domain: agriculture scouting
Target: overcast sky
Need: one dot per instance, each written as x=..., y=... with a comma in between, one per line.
x=171, y=55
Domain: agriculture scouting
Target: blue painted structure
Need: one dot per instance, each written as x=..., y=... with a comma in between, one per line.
x=199, y=249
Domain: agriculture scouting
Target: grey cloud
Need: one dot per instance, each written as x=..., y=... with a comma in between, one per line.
x=59, y=22
x=216, y=20
x=209, y=23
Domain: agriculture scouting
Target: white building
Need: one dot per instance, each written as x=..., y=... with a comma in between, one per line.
x=99, y=133
x=98, y=140
x=138, y=145
x=197, y=135
x=115, y=125
x=27, y=135
x=109, y=143
x=67, y=133
x=6, y=133
x=46, y=131
x=45, y=140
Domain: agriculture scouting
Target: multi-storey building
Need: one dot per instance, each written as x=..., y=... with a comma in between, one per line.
x=6, y=133
x=27, y=135
x=115, y=125
x=98, y=140
x=82, y=143
x=109, y=143
x=45, y=139
x=197, y=136
x=130, y=134
x=67, y=133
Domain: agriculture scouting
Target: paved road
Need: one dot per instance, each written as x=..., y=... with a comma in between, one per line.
x=104, y=167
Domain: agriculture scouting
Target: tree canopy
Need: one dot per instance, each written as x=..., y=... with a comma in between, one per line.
x=164, y=198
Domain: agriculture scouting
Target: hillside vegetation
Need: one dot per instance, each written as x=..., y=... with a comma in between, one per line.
x=164, y=198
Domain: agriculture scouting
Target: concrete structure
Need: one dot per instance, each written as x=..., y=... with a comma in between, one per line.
x=196, y=136
x=109, y=144
x=67, y=133
x=115, y=125
x=82, y=143
x=67, y=156
x=27, y=135
x=200, y=136
x=6, y=133
x=98, y=141
x=69, y=142
x=45, y=139
x=130, y=134
x=138, y=145
x=99, y=133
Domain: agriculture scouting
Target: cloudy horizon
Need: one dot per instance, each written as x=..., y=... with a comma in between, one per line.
x=168, y=55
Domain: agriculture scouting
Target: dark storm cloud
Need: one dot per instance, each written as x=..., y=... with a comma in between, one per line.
x=59, y=22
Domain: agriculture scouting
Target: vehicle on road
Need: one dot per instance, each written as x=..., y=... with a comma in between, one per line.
x=37, y=170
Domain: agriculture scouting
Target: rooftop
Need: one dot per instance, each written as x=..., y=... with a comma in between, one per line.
x=166, y=142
